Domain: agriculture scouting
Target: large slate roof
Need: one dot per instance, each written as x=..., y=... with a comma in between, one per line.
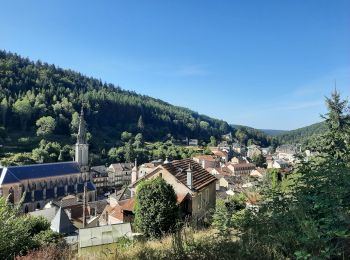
x=13, y=174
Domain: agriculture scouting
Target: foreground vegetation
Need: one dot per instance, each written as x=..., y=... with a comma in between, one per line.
x=22, y=233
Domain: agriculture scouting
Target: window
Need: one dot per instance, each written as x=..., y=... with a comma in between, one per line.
x=199, y=200
x=207, y=196
x=11, y=198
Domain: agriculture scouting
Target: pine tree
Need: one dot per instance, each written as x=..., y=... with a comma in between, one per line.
x=140, y=124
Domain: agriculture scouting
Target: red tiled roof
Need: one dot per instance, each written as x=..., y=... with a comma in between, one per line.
x=201, y=178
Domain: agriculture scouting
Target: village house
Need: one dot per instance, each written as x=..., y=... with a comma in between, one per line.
x=207, y=161
x=280, y=164
x=117, y=211
x=286, y=152
x=238, y=148
x=99, y=177
x=241, y=168
x=253, y=150
x=224, y=146
x=238, y=159
x=40, y=183
x=119, y=174
x=193, y=185
x=193, y=142
x=223, y=155
x=258, y=173
x=219, y=170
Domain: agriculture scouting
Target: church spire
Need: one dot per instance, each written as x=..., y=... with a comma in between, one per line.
x=81, y=138
x=82, y=147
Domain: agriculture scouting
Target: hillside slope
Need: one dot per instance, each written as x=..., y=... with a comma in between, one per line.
x=301, y=134
x=53, y=91
x=31, y=90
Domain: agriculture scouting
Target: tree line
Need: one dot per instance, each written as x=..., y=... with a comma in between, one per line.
x=39, y=102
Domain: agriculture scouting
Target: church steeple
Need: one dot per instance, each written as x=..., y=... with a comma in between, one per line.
x=82, y=147
x=81, y=138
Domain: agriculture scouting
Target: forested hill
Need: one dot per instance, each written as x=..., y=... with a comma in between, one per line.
x=45, y=89
x=32, y=90
x=301, y=135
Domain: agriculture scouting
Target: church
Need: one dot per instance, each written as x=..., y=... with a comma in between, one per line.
x=35, y=185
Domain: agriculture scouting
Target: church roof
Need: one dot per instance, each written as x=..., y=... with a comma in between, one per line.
x=13, y=174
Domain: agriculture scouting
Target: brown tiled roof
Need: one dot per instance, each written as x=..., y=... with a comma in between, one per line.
x=220, y=153
x=127, y=204
x=243, y=165
x=117, y=210
x=206, y=157
x=122, y=166
x=201, y=178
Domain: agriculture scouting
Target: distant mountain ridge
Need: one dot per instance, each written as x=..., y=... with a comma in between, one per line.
x=273, y=132
x=297, y=135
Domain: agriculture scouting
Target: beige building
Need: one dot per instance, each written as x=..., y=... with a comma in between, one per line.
x=207, y=161
x=253, y=151
x=241, y=168
x=119, y=174
x=237, y=160
x=194, y=186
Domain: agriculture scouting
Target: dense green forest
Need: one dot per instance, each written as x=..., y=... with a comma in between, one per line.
x=302, y=135
x=39, y=105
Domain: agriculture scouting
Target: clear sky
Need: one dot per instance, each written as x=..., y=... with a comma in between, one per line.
x=266, y=64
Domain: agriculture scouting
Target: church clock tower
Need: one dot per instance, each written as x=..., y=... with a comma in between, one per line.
x=81, y=147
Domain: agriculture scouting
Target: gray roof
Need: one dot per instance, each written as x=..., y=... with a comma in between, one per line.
x=61, y=223
x=48, y=213
x=13, y=174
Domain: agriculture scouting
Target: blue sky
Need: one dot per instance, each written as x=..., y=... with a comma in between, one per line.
x=266, y=64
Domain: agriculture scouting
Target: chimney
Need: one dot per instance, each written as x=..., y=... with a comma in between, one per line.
x=189, y=176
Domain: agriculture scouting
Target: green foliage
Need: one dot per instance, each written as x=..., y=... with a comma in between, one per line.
x=156, y=212
x=46, y=125
x=140, y=124
x=309, y=217
x=225, y=211
x=20, y=233
x=301, y=135
x=30, y=91
x=126, y=136
x=259, y=160
x=24, y=110
x=243, y=134
x=213, y=141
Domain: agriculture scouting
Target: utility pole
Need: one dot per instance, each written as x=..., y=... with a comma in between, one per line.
x=84, y=206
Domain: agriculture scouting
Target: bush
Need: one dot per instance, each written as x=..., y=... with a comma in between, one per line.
x=156, y=212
